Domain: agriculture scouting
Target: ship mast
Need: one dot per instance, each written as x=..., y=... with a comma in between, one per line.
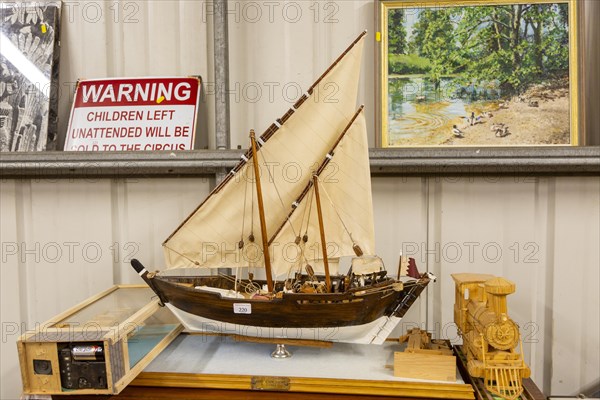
x=323, y=243
x=261, y=212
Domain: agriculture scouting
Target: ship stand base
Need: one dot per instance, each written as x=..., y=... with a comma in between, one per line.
x=281, y=352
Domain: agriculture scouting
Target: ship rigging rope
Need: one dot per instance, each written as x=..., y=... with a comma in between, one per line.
x=309, y=206
x=195, y=262
x=302, y=245
x=244, y=210
x=251, y=208
x=263, y=150
x=312, y=194
x=248, y=287
x=241, y=245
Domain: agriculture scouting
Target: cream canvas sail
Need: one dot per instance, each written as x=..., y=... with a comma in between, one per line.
x=303, y=186
x=210, y=236
x=346, y=202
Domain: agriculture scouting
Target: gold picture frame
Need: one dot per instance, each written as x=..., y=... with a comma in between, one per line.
x=457, y=73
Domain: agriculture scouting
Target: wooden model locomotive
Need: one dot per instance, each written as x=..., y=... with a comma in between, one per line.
x=489, y=335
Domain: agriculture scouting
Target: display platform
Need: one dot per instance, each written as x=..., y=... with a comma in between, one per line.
x=221, y=362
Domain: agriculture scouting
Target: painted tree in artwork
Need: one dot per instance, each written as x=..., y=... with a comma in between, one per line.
x=419, y=30
x=396, y=32
x=433, y=38
x=516, y=45
x=555, y=41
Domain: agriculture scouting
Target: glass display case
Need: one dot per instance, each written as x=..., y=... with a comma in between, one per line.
x=98, y=346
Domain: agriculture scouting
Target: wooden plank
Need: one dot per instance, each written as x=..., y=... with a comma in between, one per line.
x=531, y=391
x=438, y=352
x=467, y=277
x=22, y=362
x=287, y=342
x=425, y=366
x=312, y=385
x=107, y=357
x=155, y=393
x=38, y=383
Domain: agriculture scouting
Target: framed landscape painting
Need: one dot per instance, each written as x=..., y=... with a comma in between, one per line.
x=479, y=73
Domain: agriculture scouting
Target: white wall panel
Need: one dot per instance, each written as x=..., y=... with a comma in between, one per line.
x=400, y=211
x=489, y=226
x=65, y=240
x=64, y=223
x=554, y=222
x=539, y=329
x=278, y=49
x=11, y=313
x=576, y=319
x=147, y=211
x=547, y=229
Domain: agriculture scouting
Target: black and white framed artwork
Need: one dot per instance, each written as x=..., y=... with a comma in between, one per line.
x=29, y=49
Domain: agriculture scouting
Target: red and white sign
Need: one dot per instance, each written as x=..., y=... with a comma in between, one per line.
x=126, y=114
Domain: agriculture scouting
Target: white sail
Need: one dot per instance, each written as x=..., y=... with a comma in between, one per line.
x=210, y=236
x=346, y=203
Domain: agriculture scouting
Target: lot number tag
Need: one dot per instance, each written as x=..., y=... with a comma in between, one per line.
x=242, y=308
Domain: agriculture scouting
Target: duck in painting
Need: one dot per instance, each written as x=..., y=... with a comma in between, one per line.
x=502, y=131
x=497, y=126
x=457, y=132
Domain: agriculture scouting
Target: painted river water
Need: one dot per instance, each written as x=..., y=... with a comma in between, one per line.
x=420, y=112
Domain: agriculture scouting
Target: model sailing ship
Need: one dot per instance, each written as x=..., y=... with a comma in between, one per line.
x=297, y=203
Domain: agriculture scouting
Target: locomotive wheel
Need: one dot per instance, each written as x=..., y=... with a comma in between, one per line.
x=503, y=335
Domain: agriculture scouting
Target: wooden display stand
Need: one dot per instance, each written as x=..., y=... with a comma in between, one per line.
x=206, y=363
x=425, y=359
x=98, y=346
x=172, y=375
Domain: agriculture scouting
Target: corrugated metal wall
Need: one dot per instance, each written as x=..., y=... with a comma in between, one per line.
x=64, y=240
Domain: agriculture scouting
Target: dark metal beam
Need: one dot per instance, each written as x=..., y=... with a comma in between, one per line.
x=529, y=161
x=221, y=57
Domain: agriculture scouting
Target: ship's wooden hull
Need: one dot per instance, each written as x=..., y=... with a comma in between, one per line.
x=372, y=310
x=291, y=310
x=375, y=332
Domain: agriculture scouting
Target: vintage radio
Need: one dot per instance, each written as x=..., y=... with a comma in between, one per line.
x=98, y=346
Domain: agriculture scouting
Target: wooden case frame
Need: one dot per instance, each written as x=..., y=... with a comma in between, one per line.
x=42, y=343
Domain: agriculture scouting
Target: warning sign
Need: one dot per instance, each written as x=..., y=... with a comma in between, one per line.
x=134, y=114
